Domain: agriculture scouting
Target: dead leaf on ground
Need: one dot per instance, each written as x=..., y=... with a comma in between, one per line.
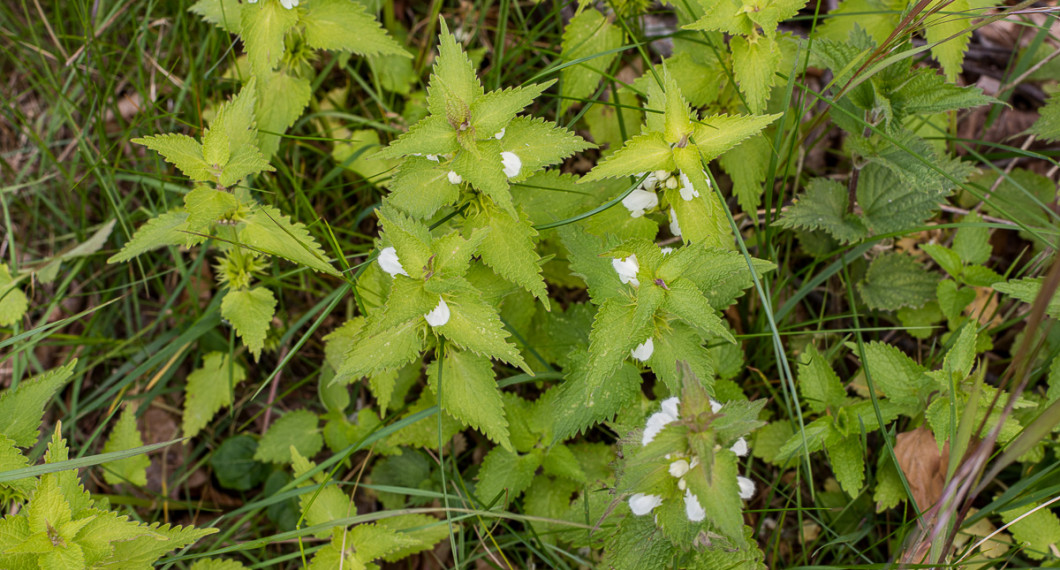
x=924, y=467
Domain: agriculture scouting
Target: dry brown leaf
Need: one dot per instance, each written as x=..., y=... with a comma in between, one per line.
x=924, y=467
x=984, y=308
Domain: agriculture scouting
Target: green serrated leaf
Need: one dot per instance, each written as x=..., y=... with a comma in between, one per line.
x=469, y=393
x=298, y=429
x=453, y=85
x=268, y=230
x=848, y=463
x=347, y=26
x=902, y=380
x=224, y=14
x=948, y=260
x=508, y=248
x=217, y=564
x=250, y=312
x=587, y=37
x=824, y=206
x=643, y=153
x=717, y=134
x=1047, y=127
x=125, y=435
x=505, y=475
x=717, y=488
x=160, y=231
x=205, y=206
x=896, y=280
x=476, y=326
x=181, y=151
x=1026, y=290
x=1038, y=532
x=420, y=187
x=13, y=302
x=22, y=407
x=492, y=112
x=818, y=383
x=754, y=64
x=209, y=389
x=264, y=26
x=685, y=301
x=746, y=165
x=539, y=143
x=972, y=242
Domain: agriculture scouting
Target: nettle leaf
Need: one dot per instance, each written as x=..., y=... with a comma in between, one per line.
x=588, y=36
x=181, y=151
x=717, y=134
x=643, y=153
x=576, y=405
x=508, y=248
x=148, y=547
x=287, y=97
x=818, y=383
x=125, y=435
x=724, y=16
x=680, y=342
x=224, y=14
x=687, y=302
x=505, y=474
x=824, y=206
x=754, y=63
x=22, y=407
x=205, y=206
x=269, y=231
x=717, y=488
x=208, y=390
x=264, y=26
x=325, y=504
x=1038, y=532
x=901, y=379
x=468, y=392
x=425, y=529
x=916, y=163
x=923, y=91
x=485, y=173
x=584, y=255
x=947, y=259
x=431, y=136
x=848, y=463
x=13, y=302
x=896, y=280
x=298, y=429
x=454, y=84
x=491, y=112
x=539, y=143
x=1047, y=127
x=346, y=25
x=421, y=187
x=972, y=242
x=250, y=312
x=746, y=165
x=217, y=564
x=379, y=350
x=160, y=231
x=702, y=219
x=475, y=325
x=891, y=205
x=411, y=240
x=1027, y=290
x=619, y=326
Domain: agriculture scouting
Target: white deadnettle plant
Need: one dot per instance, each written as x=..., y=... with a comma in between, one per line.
x=688, y=451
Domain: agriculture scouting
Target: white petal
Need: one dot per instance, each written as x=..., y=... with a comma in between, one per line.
x=681, y=484
x=433, y=157
x=642, y=504
x=669, y=406
x=640, y=200
x=714, y=405
x=500, y=134
x=627, y=269
x=438, y=315
x=740, y=447
x=667, y=250
x=675, y=228
x=661, y=174
x=650, y=181
x=643, y=350
x=389, y=262
x=671, y=183
x=512, y=164
x=687, y=190
x=289, y=4
x=679, y=468
x=454, y=178
x=693, y=509
x=656, y=423
x=747, y=487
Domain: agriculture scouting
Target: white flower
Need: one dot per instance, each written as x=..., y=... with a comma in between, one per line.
x=669, y=406
x=687, y=190
x=747, y=487
x=432, y=157
x=679, y=468
x=659, y=420
x=289, y=4
x=675, y=228
x=650, y=181
x=714, y=405
x=438, y=315
x=454, y=178
x=500, y=134
x=693, y=509
x=643, y=350
x=667, y=250
x=740, y=447
x=638, y=201
x=512, y=164
x=389, y=262
x=642, y=504
x=661, y=175
x=627, y=269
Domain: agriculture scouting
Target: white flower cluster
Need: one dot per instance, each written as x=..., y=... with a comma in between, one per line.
x=642, y=503
x=644, y=197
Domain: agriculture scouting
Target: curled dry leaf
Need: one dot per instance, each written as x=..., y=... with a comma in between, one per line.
x=924, y=467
